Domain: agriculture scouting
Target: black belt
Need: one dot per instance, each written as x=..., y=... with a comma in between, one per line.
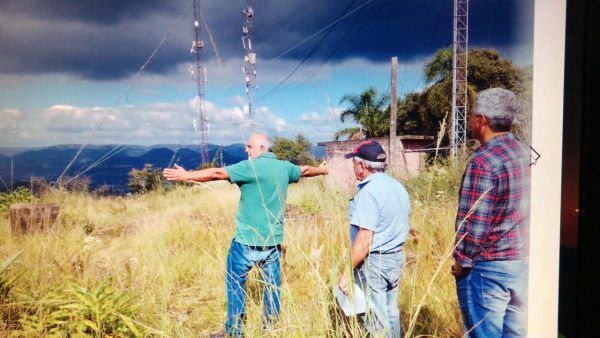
x=263, y=248
x=387, y=252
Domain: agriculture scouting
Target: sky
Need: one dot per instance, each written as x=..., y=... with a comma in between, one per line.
x=117, y=72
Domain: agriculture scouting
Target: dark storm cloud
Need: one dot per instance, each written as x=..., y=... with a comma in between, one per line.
x=96, y=11
x=111, y=39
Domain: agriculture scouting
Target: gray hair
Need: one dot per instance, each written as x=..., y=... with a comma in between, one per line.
x=263, y=140
x=499, y=105
x=379, y=167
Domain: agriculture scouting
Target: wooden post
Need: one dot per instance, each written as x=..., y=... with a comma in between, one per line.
x=393, y=113
x=32, y=217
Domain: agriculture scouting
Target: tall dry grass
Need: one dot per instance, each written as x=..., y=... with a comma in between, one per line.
x=167, y=251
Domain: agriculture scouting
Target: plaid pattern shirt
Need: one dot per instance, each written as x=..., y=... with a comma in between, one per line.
x=496, y=186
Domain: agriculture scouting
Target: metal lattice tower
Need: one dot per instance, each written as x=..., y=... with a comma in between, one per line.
x=199, y=74
x=249, y=68
x=460, y=101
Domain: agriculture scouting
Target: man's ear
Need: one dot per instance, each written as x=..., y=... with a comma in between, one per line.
x=486, y=120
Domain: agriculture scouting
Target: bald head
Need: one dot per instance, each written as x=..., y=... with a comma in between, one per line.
x=257, y=144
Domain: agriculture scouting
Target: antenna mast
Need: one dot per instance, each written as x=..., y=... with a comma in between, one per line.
x=249, y=68
x=199, y=74
x=460, y=102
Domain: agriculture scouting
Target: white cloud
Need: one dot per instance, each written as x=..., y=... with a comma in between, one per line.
x=133, y=124
x=314, y=118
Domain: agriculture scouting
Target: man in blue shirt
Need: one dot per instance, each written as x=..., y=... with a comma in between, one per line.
x=378, y=229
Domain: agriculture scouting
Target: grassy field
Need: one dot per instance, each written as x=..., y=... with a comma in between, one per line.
x=153, y=264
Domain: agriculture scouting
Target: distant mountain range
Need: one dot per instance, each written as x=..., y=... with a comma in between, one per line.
x=107, y=164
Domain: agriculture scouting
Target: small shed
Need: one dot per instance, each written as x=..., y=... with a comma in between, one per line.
x=408, y=159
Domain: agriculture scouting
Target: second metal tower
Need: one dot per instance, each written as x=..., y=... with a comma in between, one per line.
x=249, y=68
x=460, y=100
x=199, y=74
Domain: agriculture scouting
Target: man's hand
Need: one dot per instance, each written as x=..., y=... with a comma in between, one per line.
x=324, y=167
x=310, y=171
x=343, y=283
x=176, y=174
x=457, y=270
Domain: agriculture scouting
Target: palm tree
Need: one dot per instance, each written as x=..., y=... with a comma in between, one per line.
x=370, y=110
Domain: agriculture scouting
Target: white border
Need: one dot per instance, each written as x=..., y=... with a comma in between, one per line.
x=548, y=80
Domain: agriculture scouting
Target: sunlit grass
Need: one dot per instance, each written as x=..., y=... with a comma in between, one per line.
x=168, y=251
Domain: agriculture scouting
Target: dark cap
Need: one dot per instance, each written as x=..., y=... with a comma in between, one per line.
x=369, y=150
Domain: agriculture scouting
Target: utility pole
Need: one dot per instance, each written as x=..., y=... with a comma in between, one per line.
x=393, y=111
x=392, y=160
x=249, y=68
x=460, y=101
x=199, y=74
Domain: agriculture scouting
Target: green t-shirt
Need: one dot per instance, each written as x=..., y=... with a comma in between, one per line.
x=263, y=182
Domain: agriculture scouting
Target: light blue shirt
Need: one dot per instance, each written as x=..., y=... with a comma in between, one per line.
x=381, y=205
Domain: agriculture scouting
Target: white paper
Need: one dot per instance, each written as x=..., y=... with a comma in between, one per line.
x=352, y=304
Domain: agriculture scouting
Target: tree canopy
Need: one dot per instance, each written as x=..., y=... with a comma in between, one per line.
x=369, y=109
x=296, y=151
x=420, y=113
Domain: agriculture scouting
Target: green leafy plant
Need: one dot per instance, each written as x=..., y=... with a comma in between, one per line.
x=19, y=195
x=99, y=312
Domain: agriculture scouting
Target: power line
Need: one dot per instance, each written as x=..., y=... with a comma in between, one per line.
x=318, y=32
x=122, y=97
x=312, y=51
x=342, y=41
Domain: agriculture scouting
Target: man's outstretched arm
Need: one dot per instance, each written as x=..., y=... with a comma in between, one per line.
x=209, y=174
x=310, y=171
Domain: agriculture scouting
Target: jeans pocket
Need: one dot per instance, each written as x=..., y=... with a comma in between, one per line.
x=495, y=291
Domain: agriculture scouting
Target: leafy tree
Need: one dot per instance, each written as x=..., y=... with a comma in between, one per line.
x=145, y=180
x=370, y=110
x=420, y=113
x=297, y=152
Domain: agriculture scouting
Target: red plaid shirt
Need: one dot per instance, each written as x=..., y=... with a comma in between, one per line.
x=498, y=175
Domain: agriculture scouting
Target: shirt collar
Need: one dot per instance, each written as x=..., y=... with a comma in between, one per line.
x=267, y=154
x=502, y=138
x=368, y=179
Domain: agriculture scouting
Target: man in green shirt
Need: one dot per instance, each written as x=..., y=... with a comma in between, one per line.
x=263, y=181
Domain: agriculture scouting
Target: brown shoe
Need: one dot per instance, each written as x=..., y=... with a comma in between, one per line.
x=218, y=335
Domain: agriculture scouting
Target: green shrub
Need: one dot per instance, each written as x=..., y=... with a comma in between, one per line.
x=146, y=180
x=19, y=195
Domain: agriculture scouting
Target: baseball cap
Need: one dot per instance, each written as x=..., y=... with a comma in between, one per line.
x=369, y=150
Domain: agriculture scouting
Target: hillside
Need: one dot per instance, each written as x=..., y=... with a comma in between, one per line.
x=105, y=164
x=49, y=162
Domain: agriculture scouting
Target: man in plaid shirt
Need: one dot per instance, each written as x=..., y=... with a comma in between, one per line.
x=492, y=223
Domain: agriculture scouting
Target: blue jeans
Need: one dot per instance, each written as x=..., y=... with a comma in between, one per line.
x=493, y=299
x=240, y=260
x=379, y=277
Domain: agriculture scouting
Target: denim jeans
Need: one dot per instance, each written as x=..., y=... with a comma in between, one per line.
x=379, y=277
x=240, y=260
x=493, y=299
